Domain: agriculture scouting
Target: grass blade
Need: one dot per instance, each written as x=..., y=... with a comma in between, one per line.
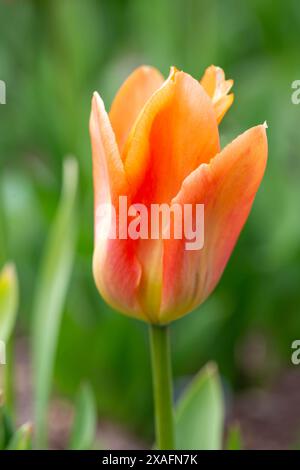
x=8, y=301
x=21, y=440
x=84, y=427
x=50, y=294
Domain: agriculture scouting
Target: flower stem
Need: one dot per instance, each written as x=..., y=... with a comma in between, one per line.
x=162, y=386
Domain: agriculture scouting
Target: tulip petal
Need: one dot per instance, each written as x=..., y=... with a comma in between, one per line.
x=108, y=171
x=116, y=269
x=176, y=131
x=130, y=99
x=117, y=274
x=149, y=254
x=227, y=187
x=214, y=83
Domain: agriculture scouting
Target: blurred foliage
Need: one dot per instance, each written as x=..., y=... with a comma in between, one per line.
x=85, y=421
x=50, y=296
x=199, y=414
x=8, y=300
x=234, y=439
x=53, y=55
x=21, y=440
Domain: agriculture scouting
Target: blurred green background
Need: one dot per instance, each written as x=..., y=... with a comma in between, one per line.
x=53, y=55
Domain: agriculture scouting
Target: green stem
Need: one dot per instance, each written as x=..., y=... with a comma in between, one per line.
x=162, y=386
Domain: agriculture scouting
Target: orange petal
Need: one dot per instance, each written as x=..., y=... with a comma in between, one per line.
x=130, y=99
x=116, y=269
x=117, y=274
x=108, y=171
x=214, y=83
x=226, y=187
x=176, y=131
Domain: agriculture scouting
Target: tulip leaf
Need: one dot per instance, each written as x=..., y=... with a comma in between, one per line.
x=234, y=438
x=52, y=284
x=21, y=440
x=8, y=301
x=199, y=417
x=84, y=427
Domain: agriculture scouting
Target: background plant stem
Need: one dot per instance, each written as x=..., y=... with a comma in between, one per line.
x=162, y=386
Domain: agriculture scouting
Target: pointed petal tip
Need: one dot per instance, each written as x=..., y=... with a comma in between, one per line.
x=255, y=132
x=260, y=131
x=95, y=101
x=173, y=71
x=98, y=107
x=96, y=98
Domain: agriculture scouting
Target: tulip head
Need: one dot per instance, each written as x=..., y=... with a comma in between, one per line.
x=159, y=147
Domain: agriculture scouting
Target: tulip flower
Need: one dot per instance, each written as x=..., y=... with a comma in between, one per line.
x=160, y=145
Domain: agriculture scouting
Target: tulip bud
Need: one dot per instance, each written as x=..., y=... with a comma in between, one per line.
x=159, y=150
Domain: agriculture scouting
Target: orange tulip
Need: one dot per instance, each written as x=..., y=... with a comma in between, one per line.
x=160, y=144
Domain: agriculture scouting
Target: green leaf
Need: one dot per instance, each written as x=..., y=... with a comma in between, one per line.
x=50, y=295
x=84, y=427
x=8, y=300
x=234, y=438
x=21, y=440
x=6, y=425
x=199, y=417
x=2, y=427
